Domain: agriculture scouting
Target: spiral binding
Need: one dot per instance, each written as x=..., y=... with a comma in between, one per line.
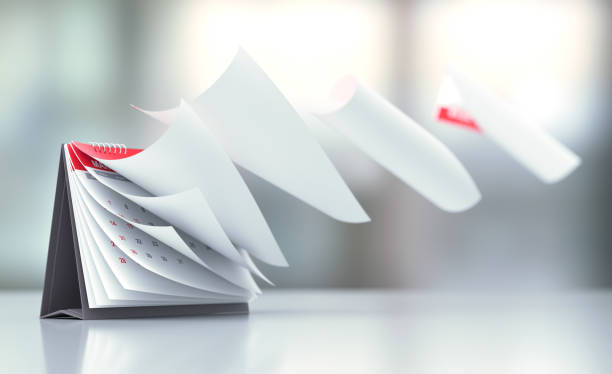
x=109, y=147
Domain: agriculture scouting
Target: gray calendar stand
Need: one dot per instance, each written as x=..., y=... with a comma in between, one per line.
x=64, y=294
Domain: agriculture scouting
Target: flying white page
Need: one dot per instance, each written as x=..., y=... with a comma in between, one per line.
x=400, y=145
x=264, y=134
x=187, y=156
x=464, y=102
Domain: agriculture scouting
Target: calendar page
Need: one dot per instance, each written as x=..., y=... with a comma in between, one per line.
x=111, y=281
x=135, y=216
x=210, y=246
x=187, y=210
x=133, y=257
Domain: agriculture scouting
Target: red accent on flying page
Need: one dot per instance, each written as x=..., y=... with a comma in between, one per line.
x=459, y=117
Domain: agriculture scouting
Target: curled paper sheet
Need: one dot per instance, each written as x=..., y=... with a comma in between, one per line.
x=265, y=135
x=168, y=236
x=463, y=102
x=191, y=274
x=137, y=283
x=253, y=268
x=187, y=210
x=197, y=217
x=211, y=260
x=189, y=156
x=401, y=146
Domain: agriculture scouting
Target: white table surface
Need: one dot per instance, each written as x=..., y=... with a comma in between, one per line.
x=339, y=331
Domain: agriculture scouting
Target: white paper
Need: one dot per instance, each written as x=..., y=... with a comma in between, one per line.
x=89, y=283
x=401, y=146
x=253, y=268
x=188, y=156
x=96, y=296
x=156, y=256
x=524, y=140
x=127, y=211
x=203, y=224
x=134, y=279
x=265, y=135
x=132, y=214
x=187, y=210
x=114, y=293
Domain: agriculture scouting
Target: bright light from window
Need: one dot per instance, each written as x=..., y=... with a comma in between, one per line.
x=537, y=55
x=304, y=47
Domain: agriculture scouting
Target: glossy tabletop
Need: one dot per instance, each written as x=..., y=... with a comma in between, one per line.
x=338, y=331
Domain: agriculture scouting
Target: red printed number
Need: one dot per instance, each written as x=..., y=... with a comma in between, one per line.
x=122, y=260
x=121, y=237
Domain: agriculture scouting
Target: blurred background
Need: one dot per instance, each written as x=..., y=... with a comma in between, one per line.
x=69, y=69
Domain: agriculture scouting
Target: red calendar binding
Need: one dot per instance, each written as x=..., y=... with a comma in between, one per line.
x=118, y=251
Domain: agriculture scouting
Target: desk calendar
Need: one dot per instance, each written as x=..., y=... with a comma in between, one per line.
x=111, y=257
